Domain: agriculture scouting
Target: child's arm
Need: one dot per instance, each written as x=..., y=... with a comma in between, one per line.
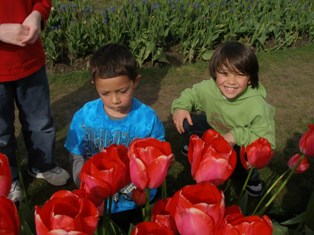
x=77, y=164
x=13, y=34
x=178, y=117
x=33, y=22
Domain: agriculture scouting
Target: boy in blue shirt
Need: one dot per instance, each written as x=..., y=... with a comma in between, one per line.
x=114, y=118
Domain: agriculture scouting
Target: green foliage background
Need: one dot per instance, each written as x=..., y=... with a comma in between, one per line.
x=152, y=27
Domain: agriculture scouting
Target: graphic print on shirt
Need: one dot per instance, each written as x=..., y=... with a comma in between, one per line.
x=95, y=140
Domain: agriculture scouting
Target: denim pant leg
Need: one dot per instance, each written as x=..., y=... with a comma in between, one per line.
x=200, y=125
x=7, y=132
x=33, y=102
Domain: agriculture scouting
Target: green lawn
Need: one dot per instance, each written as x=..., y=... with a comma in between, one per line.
x=287, y=76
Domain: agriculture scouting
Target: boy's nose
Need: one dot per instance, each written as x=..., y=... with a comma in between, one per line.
x=231, y=78
x=115, y=99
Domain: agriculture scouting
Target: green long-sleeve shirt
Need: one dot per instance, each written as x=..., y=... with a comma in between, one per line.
x=248, y=116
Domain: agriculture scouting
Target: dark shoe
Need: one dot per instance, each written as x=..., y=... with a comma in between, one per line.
x=184, y=150
x=254, y=188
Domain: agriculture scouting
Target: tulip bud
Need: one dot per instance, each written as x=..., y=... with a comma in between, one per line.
x=139, y=197
x=306, y=143
x=303, y=166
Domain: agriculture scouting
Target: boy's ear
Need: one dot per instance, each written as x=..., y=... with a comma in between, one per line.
x=137, y=80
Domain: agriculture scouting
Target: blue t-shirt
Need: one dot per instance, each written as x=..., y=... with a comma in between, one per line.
x=92, y=130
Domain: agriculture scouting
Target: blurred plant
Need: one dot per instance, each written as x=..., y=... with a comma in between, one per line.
x=150, y=27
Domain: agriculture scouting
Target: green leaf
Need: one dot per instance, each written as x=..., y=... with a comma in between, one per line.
x=308, y=231
x=26, y=214
x=242, y=202
x=279, y=229
x=207, y=55
x=309, y=214
x=25, y=229
x=295, y=220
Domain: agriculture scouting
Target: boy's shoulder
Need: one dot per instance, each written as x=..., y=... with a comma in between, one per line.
x=90, y=106
x=139, y=106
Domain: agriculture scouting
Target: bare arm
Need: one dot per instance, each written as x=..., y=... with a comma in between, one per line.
x=14, y=34
x=33, y=23
x=178, y=117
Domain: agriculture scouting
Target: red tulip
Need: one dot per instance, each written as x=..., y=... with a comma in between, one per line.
x=212, y=159
x=150, y=228
x=5, y=175
x=235, y=223
x=293, y=161
x=161, y=216
x=197, y=209
x=149, y=162
x=139, y=196
x=66, y=212
x=105, y=173
x=258, y=154
x=306, y=143
x=9, y=217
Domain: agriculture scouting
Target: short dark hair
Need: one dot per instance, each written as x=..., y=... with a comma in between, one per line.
x=236, y=57
x=113, y=60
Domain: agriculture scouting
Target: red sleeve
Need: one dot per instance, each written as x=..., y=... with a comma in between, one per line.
x=44, y=8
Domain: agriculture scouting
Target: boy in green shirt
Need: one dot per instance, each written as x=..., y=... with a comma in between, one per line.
x=232, y=102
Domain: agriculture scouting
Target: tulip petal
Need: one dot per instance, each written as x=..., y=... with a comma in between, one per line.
x=191, y=221
x=157, y=170
x=138, y=173
x=5, y=175
x=214, y=170
x=306, y=143
x=195, y=153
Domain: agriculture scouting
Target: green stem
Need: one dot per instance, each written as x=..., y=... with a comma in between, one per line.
x=110, y=208
x=147, y=206
x=292, y=171
x=269, y=190
x=19, y=168
x=164, y=194
x=106, y=227
x=246, y=181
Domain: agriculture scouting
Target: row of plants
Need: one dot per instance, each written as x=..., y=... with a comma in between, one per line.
x=152, y=27
x=199, y=208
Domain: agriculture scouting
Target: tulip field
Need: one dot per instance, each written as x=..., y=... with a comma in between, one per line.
x=287, y=172
x=195, y=193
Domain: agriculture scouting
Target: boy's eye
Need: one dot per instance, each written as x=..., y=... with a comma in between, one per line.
x=123, y=91
x=105, y=93
x=223, y=72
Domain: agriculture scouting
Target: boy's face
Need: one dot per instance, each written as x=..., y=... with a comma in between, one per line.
x=231, y=84
x=116, y=94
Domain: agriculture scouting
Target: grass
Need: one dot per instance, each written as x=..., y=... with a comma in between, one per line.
x=287, y=76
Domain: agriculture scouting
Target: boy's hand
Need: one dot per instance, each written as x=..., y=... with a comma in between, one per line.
x=178, y=117
x=14, y=34
x=33, y=22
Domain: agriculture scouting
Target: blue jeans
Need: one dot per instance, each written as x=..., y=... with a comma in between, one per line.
x=200, y=125
x=31, y=97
